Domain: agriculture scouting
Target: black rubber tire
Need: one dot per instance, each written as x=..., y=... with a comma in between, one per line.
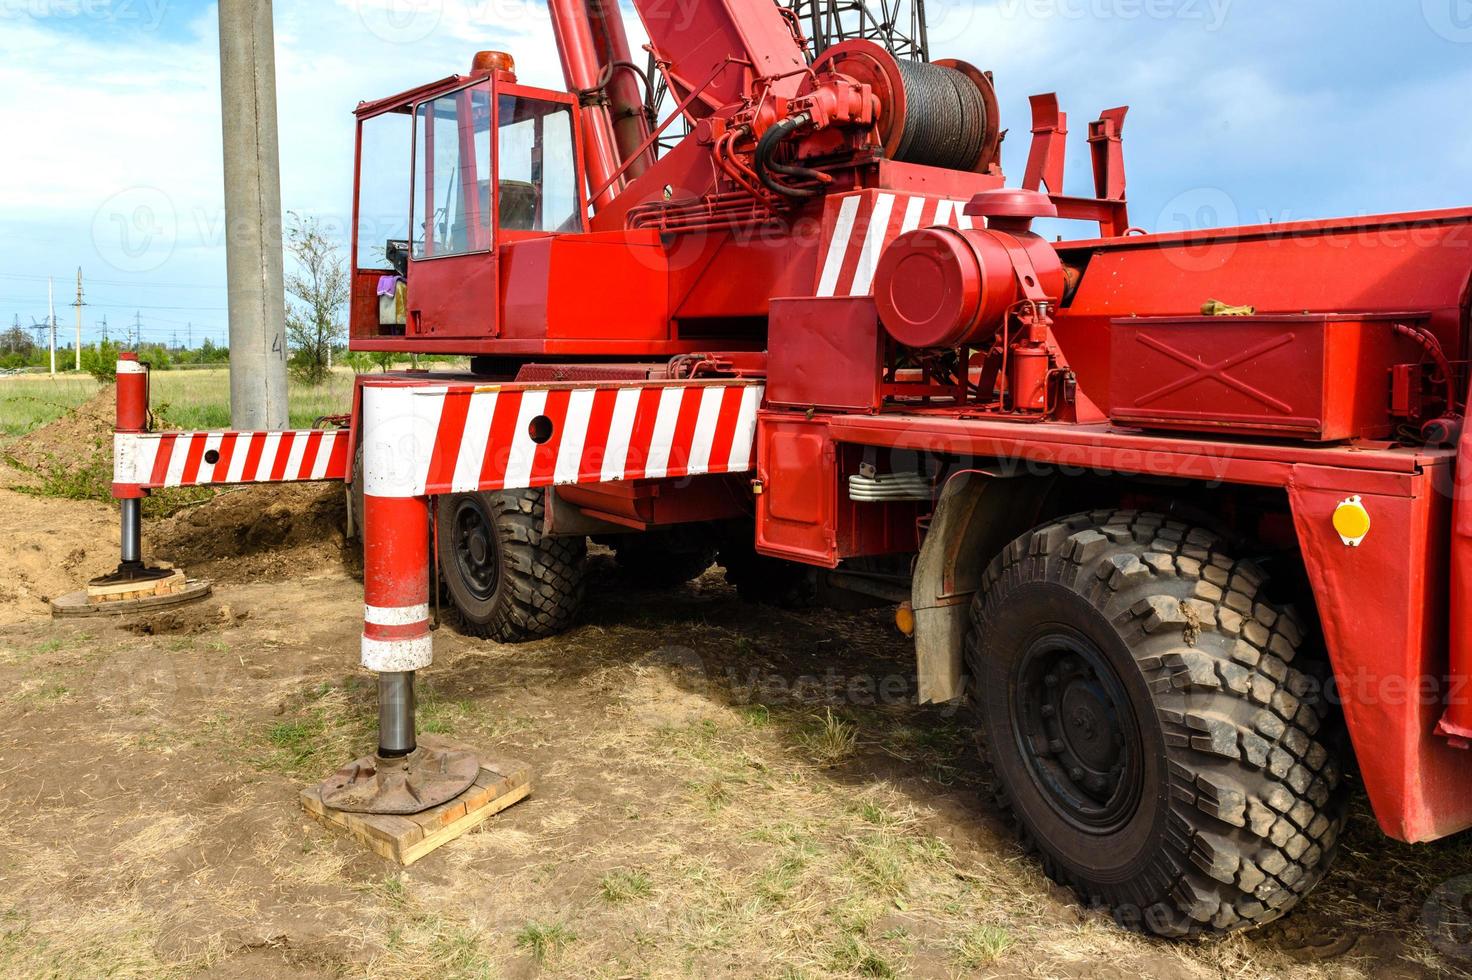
x=355, y=498
x=536, y=586
x=1239, y=804
x=662, y=559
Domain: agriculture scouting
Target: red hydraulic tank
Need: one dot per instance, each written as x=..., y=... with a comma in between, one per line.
x=943, y=287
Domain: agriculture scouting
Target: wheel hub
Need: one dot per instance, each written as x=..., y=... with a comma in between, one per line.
x=476, y=554
x=1077, y=732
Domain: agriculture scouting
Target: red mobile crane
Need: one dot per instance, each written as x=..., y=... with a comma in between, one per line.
x=1171, y=549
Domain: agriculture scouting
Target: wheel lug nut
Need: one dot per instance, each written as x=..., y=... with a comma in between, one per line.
x=1051, y=680
x=1049, y=711
x=1055, y=746
x=1075, y=774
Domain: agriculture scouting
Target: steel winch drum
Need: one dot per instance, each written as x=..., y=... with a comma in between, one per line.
x=938, y=114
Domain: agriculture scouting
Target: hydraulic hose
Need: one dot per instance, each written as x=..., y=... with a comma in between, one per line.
x=770, y=140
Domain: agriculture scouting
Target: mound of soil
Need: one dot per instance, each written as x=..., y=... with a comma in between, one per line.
x=249, y=533
x=78, y=442
x=256, y=533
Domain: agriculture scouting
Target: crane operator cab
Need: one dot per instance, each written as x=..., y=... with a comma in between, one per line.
x=437, y=198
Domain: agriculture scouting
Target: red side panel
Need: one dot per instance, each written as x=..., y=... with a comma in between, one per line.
x=585, y=287
x=797, y=467
x=453, y=297
x=825, y=353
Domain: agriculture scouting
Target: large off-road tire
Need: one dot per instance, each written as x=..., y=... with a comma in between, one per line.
x=1149, y=724
x=505, y=578
x=663, y=559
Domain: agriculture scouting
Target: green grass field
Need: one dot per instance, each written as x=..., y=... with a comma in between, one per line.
x=185, y=399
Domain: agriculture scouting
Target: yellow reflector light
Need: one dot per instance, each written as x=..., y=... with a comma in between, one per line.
x=904, y=619
x=1352, y=521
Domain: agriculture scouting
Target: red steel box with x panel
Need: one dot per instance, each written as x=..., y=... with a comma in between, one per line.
x=1323, y=377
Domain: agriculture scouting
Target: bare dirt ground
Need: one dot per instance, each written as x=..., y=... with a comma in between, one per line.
x=720, y=791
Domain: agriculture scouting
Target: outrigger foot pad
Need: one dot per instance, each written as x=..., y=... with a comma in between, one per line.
x=426, y=777
x=133, y=587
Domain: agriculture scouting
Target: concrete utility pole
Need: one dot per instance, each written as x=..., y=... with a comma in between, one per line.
x=51, y=319
x=79, y=304
x=253, y=216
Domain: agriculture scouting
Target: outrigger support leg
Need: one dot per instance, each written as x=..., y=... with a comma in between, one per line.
x=403, y=776
x=133, y=586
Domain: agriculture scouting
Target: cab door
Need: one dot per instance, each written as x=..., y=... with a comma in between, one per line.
x=452, y=281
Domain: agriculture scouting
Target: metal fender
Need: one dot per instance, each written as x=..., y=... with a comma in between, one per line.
x=1382, y=603
x=976, y=517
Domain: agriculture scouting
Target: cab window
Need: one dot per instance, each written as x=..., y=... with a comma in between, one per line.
x=383, y=186
x=537, y=163
x=452, y=171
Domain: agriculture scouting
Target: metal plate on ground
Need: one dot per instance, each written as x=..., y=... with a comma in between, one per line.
x=78, y=604
x=432, y=774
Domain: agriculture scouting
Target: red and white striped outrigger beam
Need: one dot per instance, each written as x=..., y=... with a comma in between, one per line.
x=455, y=438
x=151, y=460
x=434, y=439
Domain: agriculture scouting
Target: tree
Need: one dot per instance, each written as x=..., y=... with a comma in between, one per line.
x=319, y=290
x=17, y=341
x=101, y=361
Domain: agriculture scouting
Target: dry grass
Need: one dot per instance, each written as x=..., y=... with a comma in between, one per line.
x=683, y=824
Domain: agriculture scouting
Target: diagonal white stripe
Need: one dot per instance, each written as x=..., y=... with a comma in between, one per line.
x=616, y=453
x=914, y=211
x=574, y=433
x=523, y=450
x=838, y=245
x=206, y=472
x=705, y=428
x=324, y=452
x=942, y=213
x=472, y=456
x=745, y=435
x=874, y=242
x=268, y=457
x=175, y=476
x=237, y=458
x=664, y=433
x=294, y=459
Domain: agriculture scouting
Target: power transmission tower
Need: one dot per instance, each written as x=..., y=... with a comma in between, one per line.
x=137, y=328
x=51, y=319
x=896, y=25
x=79, y=304
x=103, y=342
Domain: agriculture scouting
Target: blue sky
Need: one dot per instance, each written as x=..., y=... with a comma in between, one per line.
x=1241, y=111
